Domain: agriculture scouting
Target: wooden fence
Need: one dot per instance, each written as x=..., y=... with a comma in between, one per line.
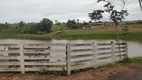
x=72, y=55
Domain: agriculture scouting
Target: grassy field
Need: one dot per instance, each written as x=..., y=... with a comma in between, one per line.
x=136, y=25
x=57, y=27
x=134, y=33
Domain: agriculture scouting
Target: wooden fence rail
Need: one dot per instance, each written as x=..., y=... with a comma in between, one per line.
x=72, y=55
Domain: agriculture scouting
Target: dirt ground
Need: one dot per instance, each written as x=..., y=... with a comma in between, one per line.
x=123, y=72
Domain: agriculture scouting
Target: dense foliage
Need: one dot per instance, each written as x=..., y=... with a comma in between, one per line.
x=96, y=15
x=115, y=16
x=71, y=24
x=43, y=26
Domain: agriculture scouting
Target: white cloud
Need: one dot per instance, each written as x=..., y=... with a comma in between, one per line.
x=61, y=10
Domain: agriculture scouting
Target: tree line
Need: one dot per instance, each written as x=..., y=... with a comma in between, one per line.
x=44, y=26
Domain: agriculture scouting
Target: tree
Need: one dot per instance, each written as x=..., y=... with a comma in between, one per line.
x=140, y=2
x=96, y=15
x=45, y=25
x=72, y=24
x=77, y=20
x=6, y=25
x=56, y=21
x=78, y=24
x=21, y=24
x=116, y=16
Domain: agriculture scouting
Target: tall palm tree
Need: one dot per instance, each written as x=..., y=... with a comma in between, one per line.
x=140, y=2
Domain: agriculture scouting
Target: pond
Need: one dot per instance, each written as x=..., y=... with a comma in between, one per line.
x=134, y=48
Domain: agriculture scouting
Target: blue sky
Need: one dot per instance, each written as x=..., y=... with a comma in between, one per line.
x=34, y=10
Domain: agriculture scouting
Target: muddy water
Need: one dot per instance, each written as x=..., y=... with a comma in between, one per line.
x=134, y=48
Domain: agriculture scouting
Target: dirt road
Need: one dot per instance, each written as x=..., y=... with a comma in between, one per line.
x=122, y=72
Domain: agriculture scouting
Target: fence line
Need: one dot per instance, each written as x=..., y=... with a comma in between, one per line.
x=73, y=55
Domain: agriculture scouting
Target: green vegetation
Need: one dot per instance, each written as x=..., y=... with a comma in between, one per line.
x=72, y=24
x=56, y=27
x=71, y=30
x=48, y=72
x=132, y=60
x=133, y=36
x=86, y=35
x=125, y=61
x=112, y=64
x=136, y=25
x=44, y=26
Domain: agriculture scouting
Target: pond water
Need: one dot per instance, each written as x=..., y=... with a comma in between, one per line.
x=134, y=48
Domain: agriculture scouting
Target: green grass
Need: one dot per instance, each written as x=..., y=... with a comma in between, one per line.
x=48, y=72
x=131, y=36
x=77, y=34
x=57, y=27
x=25, y=36
x=112, y=64
x=132, y=60
x=136, y=25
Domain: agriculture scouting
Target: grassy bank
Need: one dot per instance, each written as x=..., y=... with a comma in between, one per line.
x=25, y=36
x=134, y=33
x=130, y=36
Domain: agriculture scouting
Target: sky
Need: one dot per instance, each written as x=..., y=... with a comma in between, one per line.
x=13, y=11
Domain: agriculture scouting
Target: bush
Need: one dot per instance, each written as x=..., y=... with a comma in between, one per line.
x=72, y=24
x=49, y=72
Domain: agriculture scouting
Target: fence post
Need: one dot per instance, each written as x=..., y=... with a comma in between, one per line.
x=68, y=59
x=22, y=58
x=126, y=48
x=94, y=55
x=113, y=51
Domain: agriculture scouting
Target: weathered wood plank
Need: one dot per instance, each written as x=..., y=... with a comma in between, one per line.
x=9, y=51
x=22, y=58
x=45, y=63
x=9, y=63
x=81, y=48
x=34, y=51
x=42, y=58
x=58, y=47
x=68, y=65
x=36, y=58
x=81, y=67
x=58, y=50
x=10, y=69
x=104, y=51
x=101, y=56
x=80, y=42
x=81, y=59
x=41, y=46
x=102, y=44
x=105, y=57
x=9, y=58
x=44, y=68
x=81, y=53
x=120, y=43
x=121, y=50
